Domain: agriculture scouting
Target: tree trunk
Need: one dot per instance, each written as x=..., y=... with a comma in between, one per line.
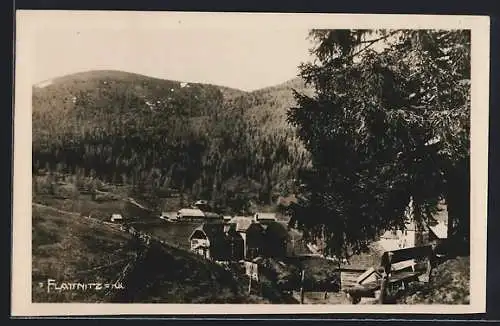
x=458, y=205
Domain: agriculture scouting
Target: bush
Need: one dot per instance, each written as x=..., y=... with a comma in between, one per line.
x=450, y=284
x=43, y=185
x=104, y=196
x=65, y=191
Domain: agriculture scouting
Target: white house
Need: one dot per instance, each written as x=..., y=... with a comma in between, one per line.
x=405, y=237
x=116, y=217
x=416, y=234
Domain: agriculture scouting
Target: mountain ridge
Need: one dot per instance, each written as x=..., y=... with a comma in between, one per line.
x=57, y=79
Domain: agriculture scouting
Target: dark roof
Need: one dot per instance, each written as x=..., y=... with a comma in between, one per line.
x=277, y=229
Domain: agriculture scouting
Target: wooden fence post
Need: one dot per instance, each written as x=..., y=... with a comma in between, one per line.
x=431, y=262
x=383, y=290
x=302, y=287
x=385, y=279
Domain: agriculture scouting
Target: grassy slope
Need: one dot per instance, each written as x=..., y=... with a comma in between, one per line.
x=84, y=205
x=67, y=247
x=176, y=234
x=450, y=285
x=169, y=275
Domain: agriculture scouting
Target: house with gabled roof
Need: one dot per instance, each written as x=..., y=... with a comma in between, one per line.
x=413, y=233
x=208, y=240
x=252, y=234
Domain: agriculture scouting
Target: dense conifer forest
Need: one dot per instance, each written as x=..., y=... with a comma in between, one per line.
x=160, y=136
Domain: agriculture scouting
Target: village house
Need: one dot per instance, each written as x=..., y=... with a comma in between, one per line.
x=116, y=218
x=199, y=211
x=217, y=241
x=243, y=238
x=252, y=234
x=208, y=240
x=413, y=234
x=399, y=238
x=196, y=214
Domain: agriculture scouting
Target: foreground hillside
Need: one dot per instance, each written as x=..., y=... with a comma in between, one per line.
x=70, y=248
x=152, y=134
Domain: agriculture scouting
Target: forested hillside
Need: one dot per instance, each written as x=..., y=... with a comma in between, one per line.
x=202, y=140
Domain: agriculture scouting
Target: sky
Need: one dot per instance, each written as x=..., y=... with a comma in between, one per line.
x=244, y=58
x=241, y=50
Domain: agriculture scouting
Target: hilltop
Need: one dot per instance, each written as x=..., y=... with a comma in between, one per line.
x=96, y=78
x=83, y=102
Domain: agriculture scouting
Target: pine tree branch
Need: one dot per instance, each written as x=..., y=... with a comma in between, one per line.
x=371, y=42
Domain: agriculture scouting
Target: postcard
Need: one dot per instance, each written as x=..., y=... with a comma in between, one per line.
x=249, y=163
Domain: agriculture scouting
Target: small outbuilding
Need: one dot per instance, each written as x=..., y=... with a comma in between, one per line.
x=116, y=218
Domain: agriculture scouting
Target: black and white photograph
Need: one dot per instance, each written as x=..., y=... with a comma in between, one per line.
x=249, y=163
